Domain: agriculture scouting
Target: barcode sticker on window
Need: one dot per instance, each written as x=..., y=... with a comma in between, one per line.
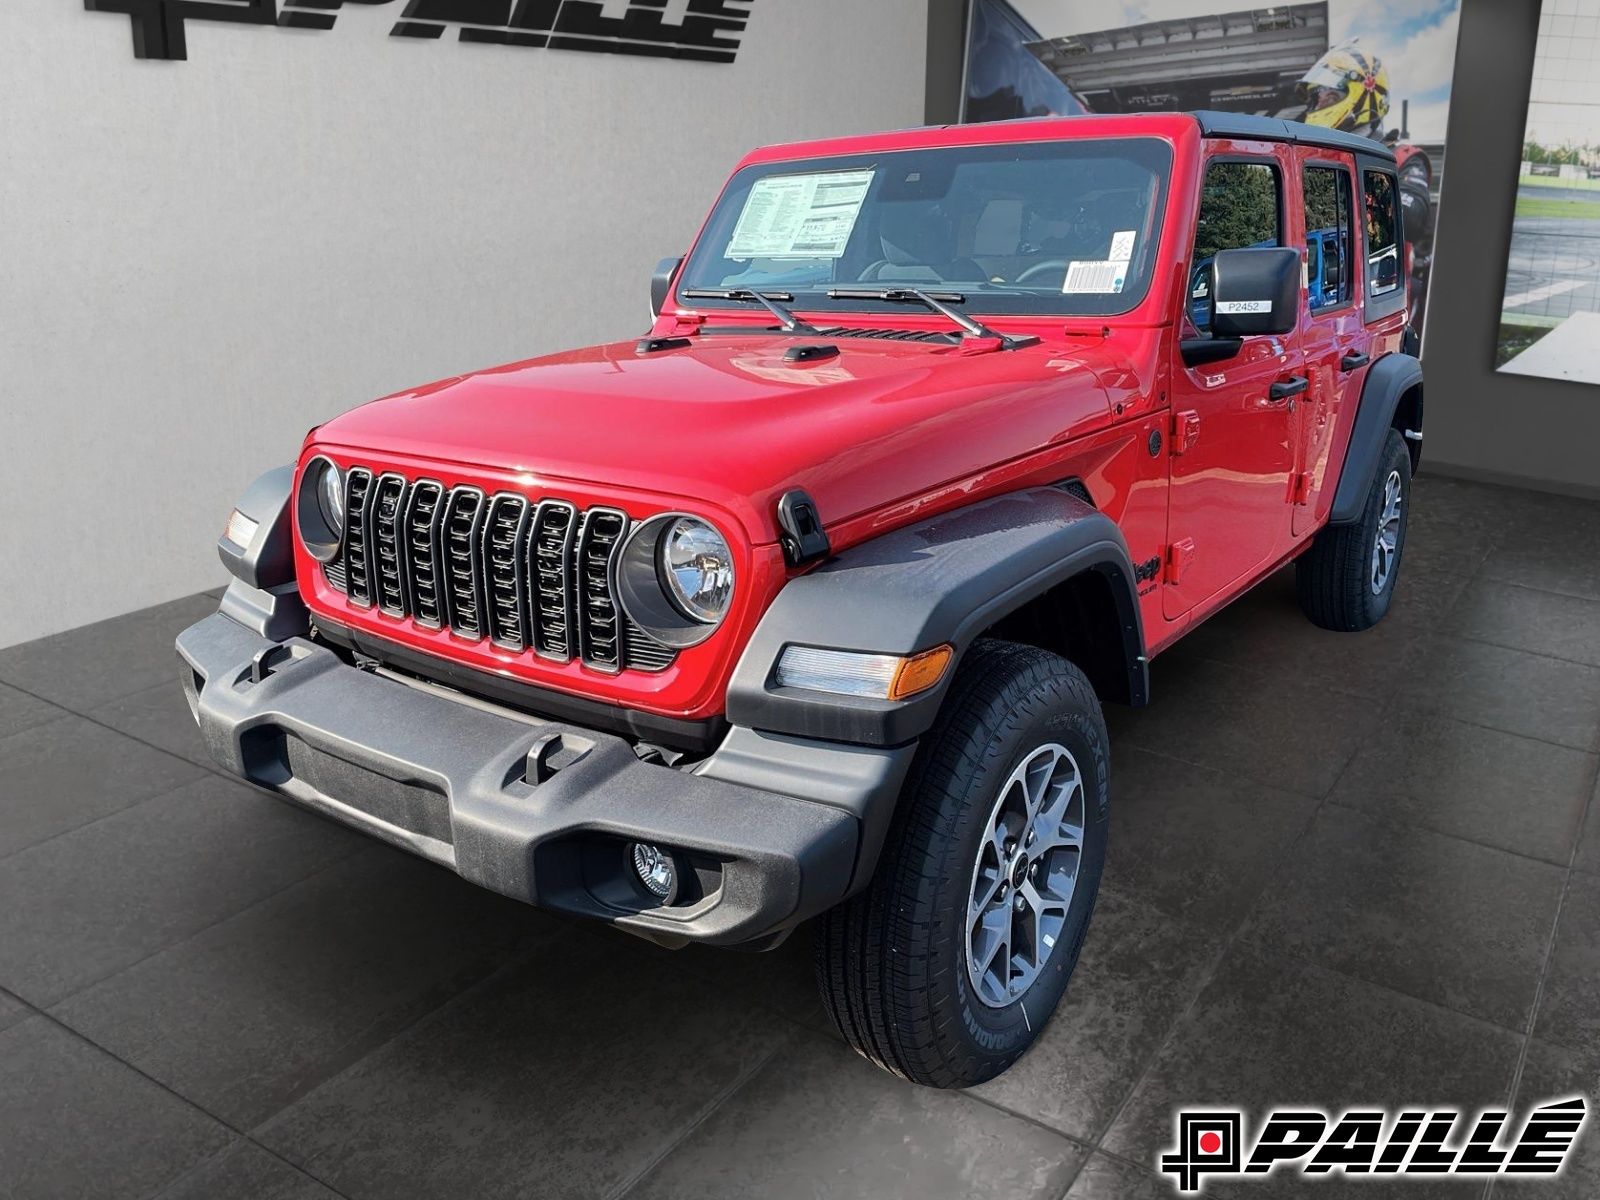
x=1090, y=277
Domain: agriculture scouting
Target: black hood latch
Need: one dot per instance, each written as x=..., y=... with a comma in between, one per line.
x=803, y=538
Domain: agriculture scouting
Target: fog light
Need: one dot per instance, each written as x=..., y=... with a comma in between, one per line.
x=655, y=869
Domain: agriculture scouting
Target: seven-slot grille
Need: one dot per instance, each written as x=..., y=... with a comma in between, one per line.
x=524, y=575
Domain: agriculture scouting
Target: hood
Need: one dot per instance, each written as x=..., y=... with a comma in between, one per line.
x=727, y=421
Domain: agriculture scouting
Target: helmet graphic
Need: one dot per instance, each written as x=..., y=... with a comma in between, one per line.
x=1347, y=89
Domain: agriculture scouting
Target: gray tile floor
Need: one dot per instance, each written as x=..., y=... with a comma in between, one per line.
x=1344, y=869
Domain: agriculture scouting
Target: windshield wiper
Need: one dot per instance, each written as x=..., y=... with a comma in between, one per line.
x=939, y=302
x=787, y=321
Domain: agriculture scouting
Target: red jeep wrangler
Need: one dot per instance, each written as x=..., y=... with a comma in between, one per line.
x=805, y=604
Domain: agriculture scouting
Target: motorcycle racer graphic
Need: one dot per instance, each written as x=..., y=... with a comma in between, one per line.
x=1348, y=89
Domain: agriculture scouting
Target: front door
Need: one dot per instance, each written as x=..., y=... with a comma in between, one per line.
x=1232, y=453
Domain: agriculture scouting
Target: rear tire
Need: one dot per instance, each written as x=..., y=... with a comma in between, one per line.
x=1346, y=580
x=948, y=965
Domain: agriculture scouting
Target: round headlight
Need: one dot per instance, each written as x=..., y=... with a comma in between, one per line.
x=330, y=497
x=698, y=569
x=674, y=579
x=319, y=509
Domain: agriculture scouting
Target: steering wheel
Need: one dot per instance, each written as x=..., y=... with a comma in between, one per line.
x=1049, y=264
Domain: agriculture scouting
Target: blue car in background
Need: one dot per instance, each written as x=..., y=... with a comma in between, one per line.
x=1326, y=271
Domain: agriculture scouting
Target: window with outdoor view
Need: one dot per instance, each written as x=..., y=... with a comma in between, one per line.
x=1239, y=207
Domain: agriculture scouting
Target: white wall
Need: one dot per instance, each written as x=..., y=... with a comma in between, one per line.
x=200, y=260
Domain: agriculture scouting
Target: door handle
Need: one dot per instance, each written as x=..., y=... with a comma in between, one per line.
x=1285, y=388
x=1354, y=360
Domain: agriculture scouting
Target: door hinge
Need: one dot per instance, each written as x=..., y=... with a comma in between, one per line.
x=1179, y=556
x=1185, y=431
x=1301, y=491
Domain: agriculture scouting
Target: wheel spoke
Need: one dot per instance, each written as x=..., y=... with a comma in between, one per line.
x=989, y=891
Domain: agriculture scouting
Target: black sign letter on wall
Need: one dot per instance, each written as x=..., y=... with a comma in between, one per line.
x=158, y=24
x=707, y=30
x=325, y=11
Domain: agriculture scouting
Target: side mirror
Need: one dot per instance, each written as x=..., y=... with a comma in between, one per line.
x=661, y=284
x=1255, y=291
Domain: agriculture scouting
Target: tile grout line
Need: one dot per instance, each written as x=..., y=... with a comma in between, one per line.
x=631, y=1181
x=189, y=937
x=1209, y=973
x=513, y=964
x=1544, y=972
x=1383, y=818
x=240, y=1134
x=1546, y=655
x=93, y=720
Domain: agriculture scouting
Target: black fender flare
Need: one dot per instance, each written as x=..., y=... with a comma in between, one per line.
x=1388, y=379
x=263, y=595
x=943, y=579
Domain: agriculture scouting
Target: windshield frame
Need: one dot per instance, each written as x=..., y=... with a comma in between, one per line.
x=1032, y=305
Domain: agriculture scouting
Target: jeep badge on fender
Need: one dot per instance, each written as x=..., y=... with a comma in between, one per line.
x=804, y=605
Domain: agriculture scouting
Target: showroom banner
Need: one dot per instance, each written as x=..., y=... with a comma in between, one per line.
x=1373, y=67
x=1550, y=315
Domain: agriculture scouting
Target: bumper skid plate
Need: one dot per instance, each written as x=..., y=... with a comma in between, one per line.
x=538, y=810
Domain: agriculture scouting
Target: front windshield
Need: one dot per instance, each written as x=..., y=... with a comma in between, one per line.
x=1040, y=228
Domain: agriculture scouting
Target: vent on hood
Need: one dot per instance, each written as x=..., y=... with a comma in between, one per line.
x=895, y=335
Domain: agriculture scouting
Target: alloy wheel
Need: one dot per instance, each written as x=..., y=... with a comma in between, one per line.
x=1387, y=541
x=1025, y=875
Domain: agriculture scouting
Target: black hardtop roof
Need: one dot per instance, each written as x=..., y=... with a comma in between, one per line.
x=1271, y=129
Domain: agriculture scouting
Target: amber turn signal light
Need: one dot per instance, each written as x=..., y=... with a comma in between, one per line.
x=920, y=672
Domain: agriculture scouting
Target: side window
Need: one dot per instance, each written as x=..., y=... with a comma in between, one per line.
x=1239, y=207
x=1382, y=229
x=1330, y=231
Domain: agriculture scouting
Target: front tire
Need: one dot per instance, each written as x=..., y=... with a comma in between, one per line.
x=948, y=965
x=1346, y=580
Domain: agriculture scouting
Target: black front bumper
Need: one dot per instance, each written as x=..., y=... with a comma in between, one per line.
x=774, y=829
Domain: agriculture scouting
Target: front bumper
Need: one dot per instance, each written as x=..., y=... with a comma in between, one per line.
x=774, y=829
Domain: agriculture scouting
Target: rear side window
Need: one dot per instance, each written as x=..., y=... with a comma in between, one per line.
x=1240, y=206
x=1382, y=230
x=1330, y=233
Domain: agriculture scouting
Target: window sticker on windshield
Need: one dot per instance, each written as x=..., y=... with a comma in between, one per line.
x=1095, y=277
x=1122, y=245
x=800, y=216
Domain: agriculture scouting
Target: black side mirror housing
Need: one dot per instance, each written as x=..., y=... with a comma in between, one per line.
x=1255, y=291
x=661, y=284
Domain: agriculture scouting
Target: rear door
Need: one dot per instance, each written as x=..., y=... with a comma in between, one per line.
x=1336, y=344
x=1231, y=451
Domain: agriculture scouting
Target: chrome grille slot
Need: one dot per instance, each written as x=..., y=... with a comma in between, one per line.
x=549, y=551
x=643, y=652
x=599, y=631
x=525, y=574
x=505, y=571
x=387, y=504
x=422, y=553
x=460, y=540
x=357, y=562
